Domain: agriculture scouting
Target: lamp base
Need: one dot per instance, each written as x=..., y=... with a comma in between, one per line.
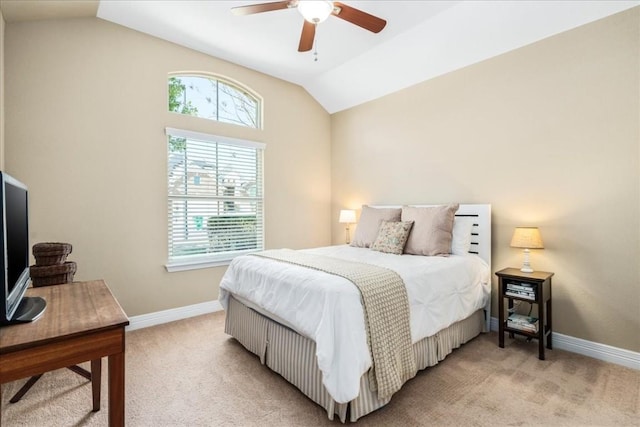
x=526, y=267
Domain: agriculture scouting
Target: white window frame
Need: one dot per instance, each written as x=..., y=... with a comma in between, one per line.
x=191, y=262
x=219, y=79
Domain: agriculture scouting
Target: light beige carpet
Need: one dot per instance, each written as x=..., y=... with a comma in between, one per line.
x=189, y=373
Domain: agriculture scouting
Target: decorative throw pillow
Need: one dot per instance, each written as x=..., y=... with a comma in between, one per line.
x=369, y=224
x=431, y=233
x=392, y=237
x=461, y=235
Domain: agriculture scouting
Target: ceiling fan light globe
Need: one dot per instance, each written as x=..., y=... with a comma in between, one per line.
x=315, y=11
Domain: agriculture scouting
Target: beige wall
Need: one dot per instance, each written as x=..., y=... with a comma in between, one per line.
x=86, y=111
x=549, y=135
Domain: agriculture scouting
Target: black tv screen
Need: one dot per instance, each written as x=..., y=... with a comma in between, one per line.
x=17, y=233
x=14, y=233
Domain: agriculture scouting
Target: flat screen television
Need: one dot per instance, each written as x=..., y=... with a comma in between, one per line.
x=14, y=260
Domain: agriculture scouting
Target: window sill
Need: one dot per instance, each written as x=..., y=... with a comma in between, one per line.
x=200, y=263
x=176, y=266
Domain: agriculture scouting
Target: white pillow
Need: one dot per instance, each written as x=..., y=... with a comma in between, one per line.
x=461, y=235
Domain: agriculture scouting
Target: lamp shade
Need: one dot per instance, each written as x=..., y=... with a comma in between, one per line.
x=347, y=216
x=527, y=237
x=315, y=11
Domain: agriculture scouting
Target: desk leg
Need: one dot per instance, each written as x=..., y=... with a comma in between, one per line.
x=116, y=390
x=96, y=379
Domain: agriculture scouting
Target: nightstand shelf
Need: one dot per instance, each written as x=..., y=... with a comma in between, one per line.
x=534, y=288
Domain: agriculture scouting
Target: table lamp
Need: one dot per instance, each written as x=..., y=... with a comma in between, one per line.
x=347, y=216
x=527, y=238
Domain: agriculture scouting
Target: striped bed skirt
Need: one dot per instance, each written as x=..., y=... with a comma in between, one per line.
x=293, y=356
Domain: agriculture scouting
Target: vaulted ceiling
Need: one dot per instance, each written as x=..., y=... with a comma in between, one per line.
x=422, y=39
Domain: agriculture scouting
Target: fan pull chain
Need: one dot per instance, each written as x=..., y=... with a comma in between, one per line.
x=315, y=46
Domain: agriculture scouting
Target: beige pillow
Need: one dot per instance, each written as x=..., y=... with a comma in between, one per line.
x=432, y=227
x=369, y=224
x=392, y=237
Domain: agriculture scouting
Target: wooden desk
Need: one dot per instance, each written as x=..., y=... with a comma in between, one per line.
x=82, y=322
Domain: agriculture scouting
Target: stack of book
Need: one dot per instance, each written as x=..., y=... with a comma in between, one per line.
x=523, y=323
x=520, y=290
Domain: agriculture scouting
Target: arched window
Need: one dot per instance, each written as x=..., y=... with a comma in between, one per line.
x=214, y=98
x=215, y=186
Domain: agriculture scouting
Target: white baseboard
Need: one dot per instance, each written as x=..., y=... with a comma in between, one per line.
x=608, y=353
x=165, y=316
x=605, y=352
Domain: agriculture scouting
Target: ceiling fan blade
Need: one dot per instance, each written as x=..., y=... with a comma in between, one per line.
x=358, y=17
x=262, y=7
x=307, y=36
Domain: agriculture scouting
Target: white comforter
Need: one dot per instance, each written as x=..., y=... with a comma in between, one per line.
x=327, y=308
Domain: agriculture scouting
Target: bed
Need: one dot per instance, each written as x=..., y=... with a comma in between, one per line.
x=307, y=325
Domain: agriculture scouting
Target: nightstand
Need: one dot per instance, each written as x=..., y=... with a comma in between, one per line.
x=534, y=288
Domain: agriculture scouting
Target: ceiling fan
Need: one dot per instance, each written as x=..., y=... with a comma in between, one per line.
x=315, y=12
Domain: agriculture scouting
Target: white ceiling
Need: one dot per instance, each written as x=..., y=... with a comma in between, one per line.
x=422, y=39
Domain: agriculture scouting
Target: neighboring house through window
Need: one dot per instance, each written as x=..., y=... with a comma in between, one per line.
x=215, y=190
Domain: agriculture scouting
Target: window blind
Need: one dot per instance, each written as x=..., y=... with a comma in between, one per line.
x=215, y=196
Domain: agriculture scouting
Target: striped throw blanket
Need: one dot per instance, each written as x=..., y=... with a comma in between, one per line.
x=386, y=311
